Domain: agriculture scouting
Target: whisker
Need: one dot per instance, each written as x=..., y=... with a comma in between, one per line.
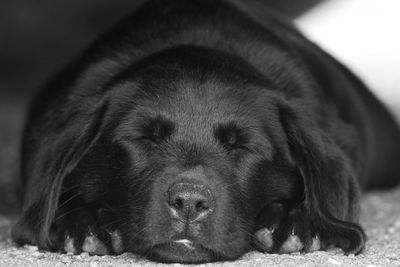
x=68, y=200
x=70, y=211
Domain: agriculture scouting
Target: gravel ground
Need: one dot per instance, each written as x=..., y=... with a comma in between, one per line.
x=380, y=217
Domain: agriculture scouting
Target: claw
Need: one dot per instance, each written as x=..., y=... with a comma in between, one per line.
x=293, y=232
x=90, y=233
x=272, y=228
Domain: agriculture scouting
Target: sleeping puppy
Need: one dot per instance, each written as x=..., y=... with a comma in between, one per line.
x=196, y=131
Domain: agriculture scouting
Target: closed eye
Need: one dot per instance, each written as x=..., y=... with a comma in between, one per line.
x=149, y=130
x=231, y=136
x=155, y=129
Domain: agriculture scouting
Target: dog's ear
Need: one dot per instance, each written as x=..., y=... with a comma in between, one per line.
x=67, y=141
x=331, y=194
x=330, y=183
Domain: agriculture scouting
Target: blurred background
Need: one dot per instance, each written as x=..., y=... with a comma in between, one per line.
x=38, y=37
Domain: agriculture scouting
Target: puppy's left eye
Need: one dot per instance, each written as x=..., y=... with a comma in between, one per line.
x=231, y=136
x=231, y=139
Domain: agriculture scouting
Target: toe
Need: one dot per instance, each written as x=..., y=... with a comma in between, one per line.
x=116, y=242
x=291, y=244
x=69, y=246
x=315, y=244
x=264, y=239
x=94, y=246
x=269, y=220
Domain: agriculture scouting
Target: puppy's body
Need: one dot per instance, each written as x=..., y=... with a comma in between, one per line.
x=223, y=102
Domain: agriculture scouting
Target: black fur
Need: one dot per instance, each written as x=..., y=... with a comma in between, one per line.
x=226, y=94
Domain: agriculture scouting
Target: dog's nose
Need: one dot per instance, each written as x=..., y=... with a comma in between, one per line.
x=190, y=202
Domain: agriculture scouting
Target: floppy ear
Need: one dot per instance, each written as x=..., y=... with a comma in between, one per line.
x=331, y=187
x=331, y=193
x=59, y=152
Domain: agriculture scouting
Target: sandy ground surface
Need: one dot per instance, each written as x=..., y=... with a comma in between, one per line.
x=380, y=217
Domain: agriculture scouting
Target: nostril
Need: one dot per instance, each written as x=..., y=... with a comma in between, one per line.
x=202, y=206
x=199, y=206
x=178, y=203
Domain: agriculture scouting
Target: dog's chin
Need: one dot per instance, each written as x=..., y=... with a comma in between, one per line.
x=182, y=251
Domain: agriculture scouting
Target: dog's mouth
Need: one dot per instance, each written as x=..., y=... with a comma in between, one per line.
x=182, y=251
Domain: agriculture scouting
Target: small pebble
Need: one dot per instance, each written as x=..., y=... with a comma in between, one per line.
x=333, y=261
x=66, y=260
x=36, y=254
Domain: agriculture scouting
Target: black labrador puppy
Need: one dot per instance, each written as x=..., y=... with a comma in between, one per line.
x=196, y=131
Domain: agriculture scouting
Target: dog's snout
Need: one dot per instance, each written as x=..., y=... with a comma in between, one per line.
x=190, y=202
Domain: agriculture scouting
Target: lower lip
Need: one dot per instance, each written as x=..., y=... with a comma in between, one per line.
x=182, y=251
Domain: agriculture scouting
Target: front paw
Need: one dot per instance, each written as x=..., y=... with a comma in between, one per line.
x=85, y=231
x=284, y=230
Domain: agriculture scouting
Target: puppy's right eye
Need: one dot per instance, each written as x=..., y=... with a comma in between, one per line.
x=156, y=130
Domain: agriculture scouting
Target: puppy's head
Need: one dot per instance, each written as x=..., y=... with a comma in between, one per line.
x=190, y=154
